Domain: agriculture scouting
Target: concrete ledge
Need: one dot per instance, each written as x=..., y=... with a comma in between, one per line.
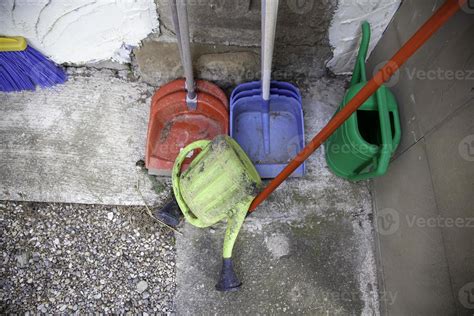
x=78, y=142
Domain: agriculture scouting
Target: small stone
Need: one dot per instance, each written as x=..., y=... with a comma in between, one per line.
x=228, y=68
x=42, y=308
x=110, y=216
x=22, y=259
x=56, y=241
x=142, y=286
x=98, y=296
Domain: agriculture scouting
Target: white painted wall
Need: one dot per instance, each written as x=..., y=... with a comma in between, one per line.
x=344, y=33
x=80, y=31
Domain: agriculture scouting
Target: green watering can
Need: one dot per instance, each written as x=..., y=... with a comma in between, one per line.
x=363, y=146
x=220, y=183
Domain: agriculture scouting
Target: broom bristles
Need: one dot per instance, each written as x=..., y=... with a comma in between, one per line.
x=24, y=70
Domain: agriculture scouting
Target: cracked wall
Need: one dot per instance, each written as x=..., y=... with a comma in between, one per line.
x=312, y=35
x=80, y=31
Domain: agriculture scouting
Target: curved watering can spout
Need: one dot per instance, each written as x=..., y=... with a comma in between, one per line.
x=228, y=280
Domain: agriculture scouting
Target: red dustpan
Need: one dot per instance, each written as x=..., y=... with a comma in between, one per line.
x=183, y=111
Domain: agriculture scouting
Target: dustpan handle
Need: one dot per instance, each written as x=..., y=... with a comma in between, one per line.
x=191, y=98
x=269, y=17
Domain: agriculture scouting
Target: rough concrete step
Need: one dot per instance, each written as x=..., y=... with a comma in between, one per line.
x=78, y=142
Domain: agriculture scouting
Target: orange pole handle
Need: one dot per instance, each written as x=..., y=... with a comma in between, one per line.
x=439, y=18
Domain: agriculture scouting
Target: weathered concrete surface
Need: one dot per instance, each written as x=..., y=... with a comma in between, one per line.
x=229, y=68
x=157, y=63
x=345, y=30
x=222, y=29
x=301, y=23
x=310, y=34
x=307, y=250
x=78, y=142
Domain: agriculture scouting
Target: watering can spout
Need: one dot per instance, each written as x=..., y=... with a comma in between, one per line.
x=228, y=280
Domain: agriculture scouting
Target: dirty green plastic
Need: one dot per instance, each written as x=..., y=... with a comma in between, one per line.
x=220, y=183
x=363, y=146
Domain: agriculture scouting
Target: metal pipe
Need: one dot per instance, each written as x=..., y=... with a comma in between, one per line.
x=174, y=15
x=191, y=98
x=269, y=15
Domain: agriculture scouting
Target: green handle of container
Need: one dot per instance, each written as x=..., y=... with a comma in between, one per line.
x=360, y=75
x=386, y=149
x=398, y=129
x=176, y=173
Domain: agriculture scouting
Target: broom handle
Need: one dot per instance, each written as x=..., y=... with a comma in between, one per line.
x=269, y=17
x=439, y=18
x=174, y=15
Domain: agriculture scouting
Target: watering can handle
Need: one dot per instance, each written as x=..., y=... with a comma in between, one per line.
x=360, y=74
x=176, y=173
x=387, y=147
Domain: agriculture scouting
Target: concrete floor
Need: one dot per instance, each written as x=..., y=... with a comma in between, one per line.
x=307, y=250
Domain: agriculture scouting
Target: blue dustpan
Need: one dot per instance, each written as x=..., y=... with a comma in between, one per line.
x=257, y=87
x=286, y=132
x=266, y=118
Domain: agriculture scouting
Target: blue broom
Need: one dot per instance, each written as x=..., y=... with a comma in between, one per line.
x=24, y=68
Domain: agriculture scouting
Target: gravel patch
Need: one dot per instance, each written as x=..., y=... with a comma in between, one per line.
x=59, y=258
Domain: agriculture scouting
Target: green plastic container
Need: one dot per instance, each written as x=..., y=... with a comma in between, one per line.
x=220, y=183
x=363, y=146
